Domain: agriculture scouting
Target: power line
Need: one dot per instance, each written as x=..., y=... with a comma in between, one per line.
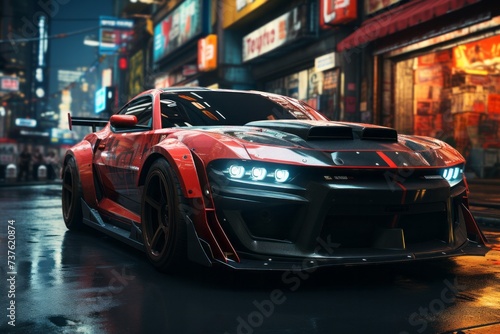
x=74, y=19
x=33, y=39
x=57, y=19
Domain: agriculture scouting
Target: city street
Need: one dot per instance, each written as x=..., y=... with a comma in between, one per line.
x=57, y=281
x=257, y=134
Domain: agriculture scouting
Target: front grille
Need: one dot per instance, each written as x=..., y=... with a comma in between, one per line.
x=421, y=228
x=272, y=222
x=363, y=231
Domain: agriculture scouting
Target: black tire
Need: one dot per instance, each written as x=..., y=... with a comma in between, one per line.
x=71, y=196
x=163, y=225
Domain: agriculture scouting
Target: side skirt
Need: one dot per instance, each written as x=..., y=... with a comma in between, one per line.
x=93, y=219
x=195, y=250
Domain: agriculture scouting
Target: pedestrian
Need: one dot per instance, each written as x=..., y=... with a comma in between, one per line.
x=37, y=162
x=52, y=163
x=24, y=164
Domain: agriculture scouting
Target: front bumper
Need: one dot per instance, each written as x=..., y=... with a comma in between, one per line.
x=329, y=217
x=373, y=257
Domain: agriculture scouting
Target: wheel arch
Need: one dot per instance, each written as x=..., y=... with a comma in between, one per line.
x=82, y=154
x=202, y=229
x=181, y=160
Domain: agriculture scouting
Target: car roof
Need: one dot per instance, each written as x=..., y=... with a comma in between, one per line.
x=183, y=89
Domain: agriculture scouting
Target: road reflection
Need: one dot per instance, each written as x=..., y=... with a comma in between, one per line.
x=88, y=283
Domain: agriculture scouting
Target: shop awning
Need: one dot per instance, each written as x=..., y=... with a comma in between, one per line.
x=400, y=18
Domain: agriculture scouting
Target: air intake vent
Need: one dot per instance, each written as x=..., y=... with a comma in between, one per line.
x=329, y=132
x=379, y=134
x=306, y=130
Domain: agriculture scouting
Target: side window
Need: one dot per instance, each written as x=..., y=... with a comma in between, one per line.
x=173, y=114
x=143, y=109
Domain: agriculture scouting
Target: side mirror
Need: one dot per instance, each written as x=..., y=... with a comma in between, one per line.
x=123, y=121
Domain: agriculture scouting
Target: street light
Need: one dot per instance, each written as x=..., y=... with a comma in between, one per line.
x=90, y=40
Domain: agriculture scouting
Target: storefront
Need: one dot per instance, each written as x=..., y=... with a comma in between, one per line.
x=175, y=45
x=293, y=54
x=441, y=80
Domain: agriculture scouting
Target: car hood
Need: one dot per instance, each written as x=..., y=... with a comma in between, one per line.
x=335, y=144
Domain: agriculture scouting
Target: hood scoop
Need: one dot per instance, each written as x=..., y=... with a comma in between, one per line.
x=320, y=130
x=307, y=131
x=378, y=134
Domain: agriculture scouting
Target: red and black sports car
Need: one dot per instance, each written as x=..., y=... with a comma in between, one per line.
x=254, y=180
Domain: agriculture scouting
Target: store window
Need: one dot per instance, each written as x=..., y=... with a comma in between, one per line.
x=452, y=95
x=320, y=90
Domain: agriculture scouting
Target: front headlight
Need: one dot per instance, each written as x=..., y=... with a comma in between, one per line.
x=453, y=175
x=257, y=172
x=281, y=175
x=236, y=171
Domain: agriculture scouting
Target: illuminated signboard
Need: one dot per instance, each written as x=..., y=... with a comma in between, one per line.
x=114, y=33
x=9, y=84
x=207, y=53
x=334, y=12
x=62, y=136
x=280, y=31
x=478, y=57
x=180, y=26
x=240, y=4
x=26, y=122
x=100, y=100
x=103, y=99
x=372, y=6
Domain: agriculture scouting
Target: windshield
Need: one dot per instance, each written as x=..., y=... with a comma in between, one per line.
x=202, y=108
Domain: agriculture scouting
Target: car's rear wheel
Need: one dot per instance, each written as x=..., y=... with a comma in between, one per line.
x=163, y=226
x=71, y=196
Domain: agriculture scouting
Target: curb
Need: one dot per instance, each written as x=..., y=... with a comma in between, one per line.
x=5, y=184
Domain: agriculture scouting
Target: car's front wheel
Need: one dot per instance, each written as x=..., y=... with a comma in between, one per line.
x=163, y=226
x=71, y=196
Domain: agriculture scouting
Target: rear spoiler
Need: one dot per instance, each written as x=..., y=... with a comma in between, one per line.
x=86, y=121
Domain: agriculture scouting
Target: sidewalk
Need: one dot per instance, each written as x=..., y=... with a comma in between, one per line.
x=484, y=201
x=4, y=183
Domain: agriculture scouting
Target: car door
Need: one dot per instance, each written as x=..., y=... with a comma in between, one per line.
x=117, y=157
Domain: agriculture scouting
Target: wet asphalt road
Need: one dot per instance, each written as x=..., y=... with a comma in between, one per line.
x=69, y=282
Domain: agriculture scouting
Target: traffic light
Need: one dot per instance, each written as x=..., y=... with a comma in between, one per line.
x=122, y=63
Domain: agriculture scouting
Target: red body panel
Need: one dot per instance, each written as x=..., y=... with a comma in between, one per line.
x=82, y=153
x=179, y=157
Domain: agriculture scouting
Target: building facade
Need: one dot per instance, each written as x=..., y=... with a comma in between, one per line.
x=426, y=67
x=435, y=72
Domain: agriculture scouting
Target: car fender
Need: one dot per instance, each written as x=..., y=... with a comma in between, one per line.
x=82, y=153
x=181, y=160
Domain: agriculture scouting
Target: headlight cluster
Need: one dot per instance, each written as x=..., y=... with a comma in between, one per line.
x=453, y=175
x=257, y=173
